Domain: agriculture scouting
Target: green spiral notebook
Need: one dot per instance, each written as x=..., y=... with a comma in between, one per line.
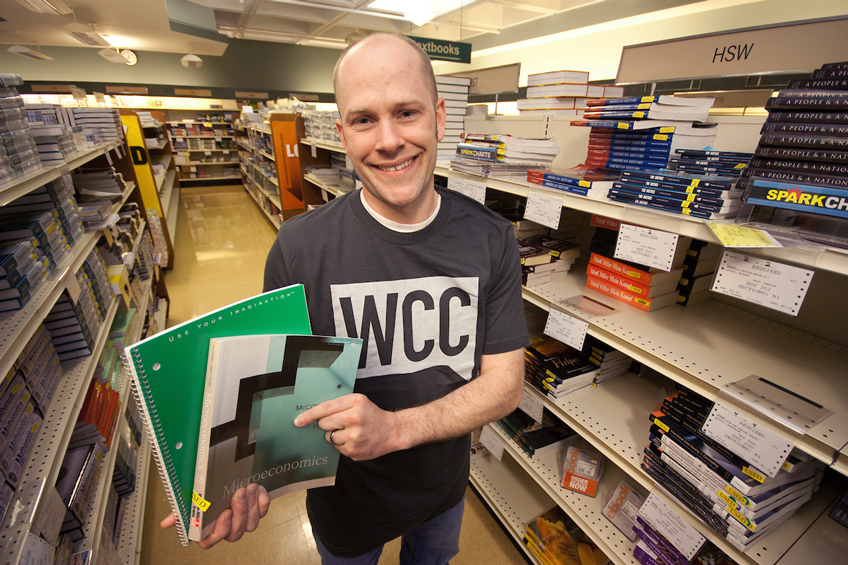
x=168, y=371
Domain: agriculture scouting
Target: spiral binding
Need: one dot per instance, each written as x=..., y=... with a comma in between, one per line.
x=161, y=455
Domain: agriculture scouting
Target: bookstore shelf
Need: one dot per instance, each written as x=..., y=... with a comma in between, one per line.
x=825, y=542
x=613, y=418
x=223, y=177
x=275, y=198
x=337, y=147
x=202, y=137
x=16, y=328
x=808, y=255
x=274, y=219
x=210, y=124
x=129, y=545
x=26, y=184
x=266, y=154
x=335, y=189
x=166, y=188
x=160, y=145
x=94, y=525
x=710, y=345
x=196, y=163
x=587, y=512
x=510, y=494
x=261, y=172
x=45, y=461
x=173, y=210
x=163, y=159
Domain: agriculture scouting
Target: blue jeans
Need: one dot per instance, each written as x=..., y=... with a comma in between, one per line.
x=432, y=543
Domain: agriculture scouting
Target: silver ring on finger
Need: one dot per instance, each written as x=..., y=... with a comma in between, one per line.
x=331, y=438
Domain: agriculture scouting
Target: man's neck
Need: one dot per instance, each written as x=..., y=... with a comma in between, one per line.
x=413, y=213
x=397, y=226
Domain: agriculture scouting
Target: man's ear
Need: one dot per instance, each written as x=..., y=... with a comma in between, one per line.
x=441, y=118
x=340, y=129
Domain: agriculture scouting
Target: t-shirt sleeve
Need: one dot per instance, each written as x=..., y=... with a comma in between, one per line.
x=506, y=327
x=276, y=274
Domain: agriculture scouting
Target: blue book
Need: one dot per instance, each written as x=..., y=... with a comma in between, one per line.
x=675, y=195
x=722, y=183
x=808, y=198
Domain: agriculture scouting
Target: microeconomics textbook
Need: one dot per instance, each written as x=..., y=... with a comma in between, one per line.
x=255, y=388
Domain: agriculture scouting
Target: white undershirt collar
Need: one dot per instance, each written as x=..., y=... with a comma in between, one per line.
x=398, y=227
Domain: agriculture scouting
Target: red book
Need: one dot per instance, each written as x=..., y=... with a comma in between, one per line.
x=637, y=288
x=638, y=275
x=646, y=304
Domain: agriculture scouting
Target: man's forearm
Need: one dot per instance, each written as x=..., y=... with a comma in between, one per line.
x=493, y=394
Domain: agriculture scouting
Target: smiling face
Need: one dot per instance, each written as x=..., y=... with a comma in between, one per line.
x=390, y=126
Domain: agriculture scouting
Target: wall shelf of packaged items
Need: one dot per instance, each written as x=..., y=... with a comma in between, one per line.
x=511, y=494
x=335, y=189
x=26, y=184
x=337, y=147
x=811, y=255
x=94, y=525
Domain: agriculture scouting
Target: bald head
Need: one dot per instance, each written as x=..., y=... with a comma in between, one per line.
x=374, y=42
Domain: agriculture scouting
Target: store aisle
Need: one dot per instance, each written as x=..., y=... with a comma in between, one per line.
x=221, y=243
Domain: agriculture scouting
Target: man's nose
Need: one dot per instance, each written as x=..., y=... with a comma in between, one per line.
x=389, y=136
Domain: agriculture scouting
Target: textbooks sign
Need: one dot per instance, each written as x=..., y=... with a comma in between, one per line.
x=438, y=50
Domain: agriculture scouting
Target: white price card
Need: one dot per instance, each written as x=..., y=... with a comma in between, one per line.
x=35, y=551
x=51, y=513
x=314, y=152
x=671, y=525
x=543, y=208
x=476, y=190
x=456, y=184
x=566, y=329
x=762, y=281
x=492, y=442
x=760, y=446
x=531, y=406
x=646, y=246
x=73, y=287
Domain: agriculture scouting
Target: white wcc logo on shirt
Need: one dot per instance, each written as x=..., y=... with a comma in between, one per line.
x=411, y=324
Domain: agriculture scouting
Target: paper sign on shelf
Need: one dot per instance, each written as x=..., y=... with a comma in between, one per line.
x=73, y=287
x=456, y=184
x=314, y=152
x=664, y=519
x=762, y=281
x=760, y=446
x=646, y=246
x=566, y=329
x=543, y=208
x=734, y=235
x=531, y=406
x=476, y=190
x=492, y=442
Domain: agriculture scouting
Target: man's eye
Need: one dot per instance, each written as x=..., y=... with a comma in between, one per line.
x=361, y=121
x=407, y=114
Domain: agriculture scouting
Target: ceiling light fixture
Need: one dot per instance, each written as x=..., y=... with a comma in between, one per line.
x=191, y=60
x=112, y=55
x=85, y=35
x=29, y=53
x=419, y=12
x=52, y=7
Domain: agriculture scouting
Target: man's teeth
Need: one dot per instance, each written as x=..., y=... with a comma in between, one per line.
x=398, y=167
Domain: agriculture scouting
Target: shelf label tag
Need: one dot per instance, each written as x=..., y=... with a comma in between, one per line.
x=207, y=153
x=531, y=406
x=36, y=551
x=51, y=513
x=492, y=442
x=647, y=246
x=765, y=282
x=671, y=525
x=74, y=290
x=543, y=208
x=757, y=444
x=314, y=152
x=476, y=190
x=733, y=235
x=566, y=329
x=456, y=184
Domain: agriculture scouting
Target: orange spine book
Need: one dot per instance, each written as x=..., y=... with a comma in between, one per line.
x=619, y=281
x=619, y=294
x=623, y=269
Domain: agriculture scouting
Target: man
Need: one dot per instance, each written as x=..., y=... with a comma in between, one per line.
x=430, y=280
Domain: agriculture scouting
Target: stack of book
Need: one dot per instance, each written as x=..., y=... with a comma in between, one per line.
x=504, y=155
x=454, y=91
x=583, y=180
x=100, y=124
x=710, y=480
x=534, y=437
x=555, y=539
x=18, y=151
x=709, y=162
x=627, y=137
x=123, y=476
x=611, y=362
x=562, y=93
x=798, y=173
x=320, y=125
x=98, y=416
x=707, y=197
x=77, y=486
x=38, y=364
x=699, y=266
x=543, y=255
x=23, y=268
x=55, y=142
x=654, y=549
x=557, y=370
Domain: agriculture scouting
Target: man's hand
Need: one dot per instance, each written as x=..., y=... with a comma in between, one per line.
x=362, y=430
x=247, y=507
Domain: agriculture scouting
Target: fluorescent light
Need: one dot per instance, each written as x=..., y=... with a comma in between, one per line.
x=340, y=44
x=29, y=53
x=85, y=35
x=191, y=60
x=418, y=12
x=52, y=7
x=419, y=15
x=112, y=56
x=439, y=7
x=117, y=41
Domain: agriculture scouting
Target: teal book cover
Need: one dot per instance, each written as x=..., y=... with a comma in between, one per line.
x=255, y=388
x=168, y=371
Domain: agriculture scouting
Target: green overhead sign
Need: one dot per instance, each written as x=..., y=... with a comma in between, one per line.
x=439, y=50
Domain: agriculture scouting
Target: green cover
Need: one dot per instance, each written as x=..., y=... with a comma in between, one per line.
x=169, y=372
x=255, y=387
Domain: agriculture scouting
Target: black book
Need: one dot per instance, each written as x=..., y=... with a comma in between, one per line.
x=703, y=154
x=705, y=170
x=834, y=103
x=802, y=140
x=801, y=178
x=681, y=196
x=804, y=128
x=730, y=193
x=685, y=180
x=824, y=83
x=808, y=167
x=675, y=209
x=803, y=154
x=826, y=117
x=839, y=65
x=830, y=73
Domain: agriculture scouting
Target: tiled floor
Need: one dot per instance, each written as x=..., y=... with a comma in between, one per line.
x=221, y=243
